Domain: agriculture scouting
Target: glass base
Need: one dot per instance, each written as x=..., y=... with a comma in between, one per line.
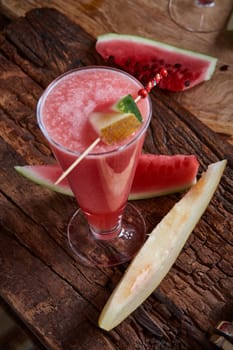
x=196, y=18
x=107, y=252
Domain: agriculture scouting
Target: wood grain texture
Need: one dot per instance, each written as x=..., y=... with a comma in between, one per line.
x=211, y=102
x=58, y=298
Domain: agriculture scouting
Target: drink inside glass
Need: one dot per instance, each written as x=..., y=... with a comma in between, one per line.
x=104, y=231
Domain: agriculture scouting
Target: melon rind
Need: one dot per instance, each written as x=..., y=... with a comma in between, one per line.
x=125, y=38
x=161, y=250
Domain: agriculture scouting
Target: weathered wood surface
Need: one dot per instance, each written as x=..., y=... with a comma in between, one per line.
x=211, y=102
x=58, y=298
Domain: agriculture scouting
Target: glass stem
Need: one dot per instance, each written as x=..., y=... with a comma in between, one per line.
x=204, y=3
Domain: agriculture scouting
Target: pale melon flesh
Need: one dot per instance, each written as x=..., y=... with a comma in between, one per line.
x=161, y=249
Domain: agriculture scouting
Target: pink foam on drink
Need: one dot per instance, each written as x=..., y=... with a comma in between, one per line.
x=75, y=97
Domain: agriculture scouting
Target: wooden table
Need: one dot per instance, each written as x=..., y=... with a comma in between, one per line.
x=56, y=297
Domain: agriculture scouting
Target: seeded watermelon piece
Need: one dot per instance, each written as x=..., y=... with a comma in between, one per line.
x=143, y=58
x=156, y=175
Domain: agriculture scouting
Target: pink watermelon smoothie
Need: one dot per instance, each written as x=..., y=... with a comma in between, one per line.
x=102, y=181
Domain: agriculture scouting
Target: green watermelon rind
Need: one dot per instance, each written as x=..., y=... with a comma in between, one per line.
x=28, y=173
x=165, y=192
x=127, y=105
x=146, y=41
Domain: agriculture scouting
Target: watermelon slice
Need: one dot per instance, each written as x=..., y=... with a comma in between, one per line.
x=158, y=175
x=143, y=58
x=155, y=175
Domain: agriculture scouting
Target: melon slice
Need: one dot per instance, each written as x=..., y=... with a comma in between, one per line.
x=159, y=252
x=117, y=122
x=143, y=58
x=114, y=127
x=155, y=175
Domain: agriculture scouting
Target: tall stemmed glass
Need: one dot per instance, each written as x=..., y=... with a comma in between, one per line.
x=202, y=16
x=105, y=231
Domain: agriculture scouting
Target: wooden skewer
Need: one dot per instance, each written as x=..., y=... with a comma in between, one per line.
x=84, y=154
x=137, y=99
x=145, y=91
x=78, y=160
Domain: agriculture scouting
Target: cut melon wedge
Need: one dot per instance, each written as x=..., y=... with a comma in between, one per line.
x=161, y=250
x=114, y=127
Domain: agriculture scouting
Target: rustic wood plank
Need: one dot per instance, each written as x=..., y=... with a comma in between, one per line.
x=58, y=298
x=211, y=102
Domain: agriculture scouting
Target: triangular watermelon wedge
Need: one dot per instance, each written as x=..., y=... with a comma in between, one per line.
x=143, y=58
x=155, y=175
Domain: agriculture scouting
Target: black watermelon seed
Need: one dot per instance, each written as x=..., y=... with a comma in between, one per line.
x=111, y=59
x=224, y=67
x=187, y=83
x=154, y=69
x=177, y=65
x=127, y=62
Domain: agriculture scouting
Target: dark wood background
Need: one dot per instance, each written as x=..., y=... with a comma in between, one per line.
x=58, y=298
